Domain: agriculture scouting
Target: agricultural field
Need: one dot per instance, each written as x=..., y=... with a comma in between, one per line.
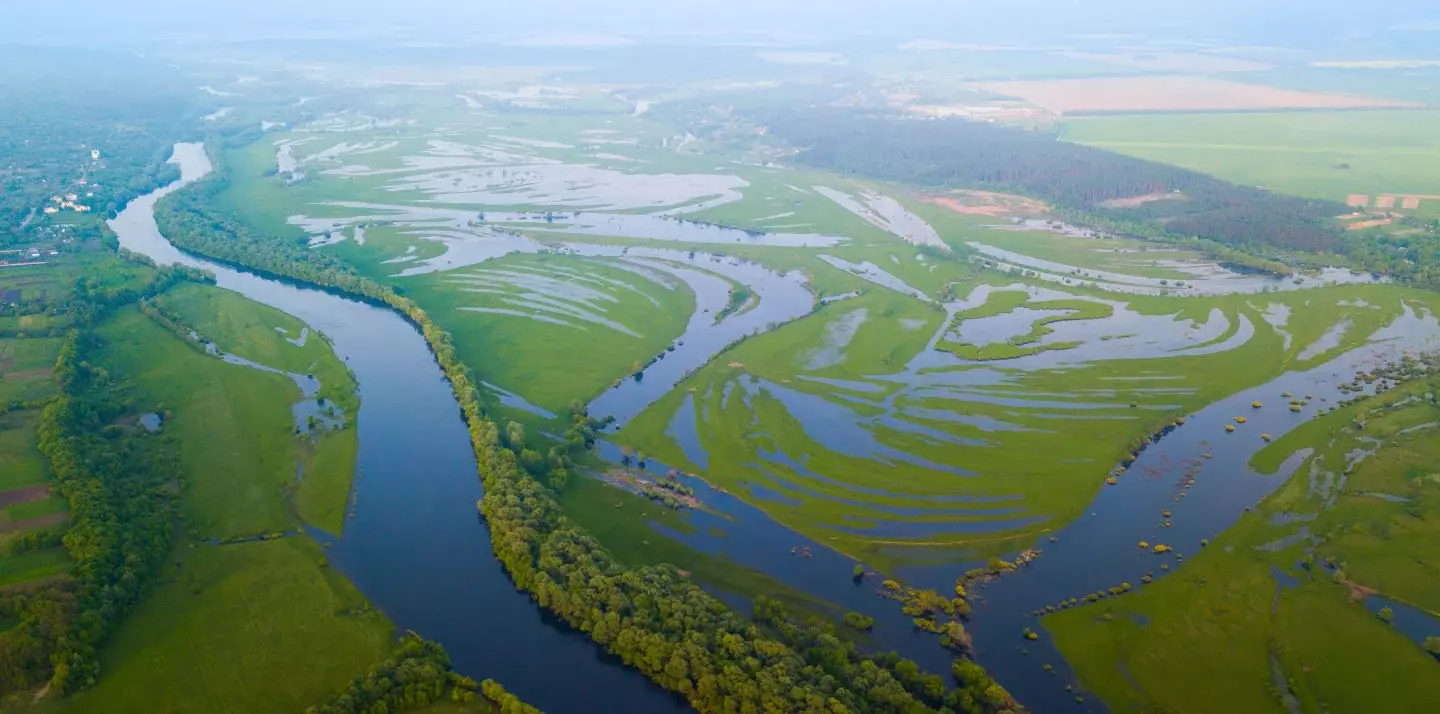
x=1321, y=598
x=1335, y=155
x=1180, y=93
x=27, y=503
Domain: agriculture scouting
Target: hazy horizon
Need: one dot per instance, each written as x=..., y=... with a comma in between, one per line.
x=1412, y=24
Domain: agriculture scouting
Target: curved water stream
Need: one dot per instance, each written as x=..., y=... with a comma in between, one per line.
x=416, y=546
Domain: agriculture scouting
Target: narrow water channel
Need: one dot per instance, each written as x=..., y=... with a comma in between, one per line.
x=416, y=546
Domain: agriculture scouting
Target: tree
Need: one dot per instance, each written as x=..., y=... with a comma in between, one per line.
x=515, y=436
x=1432, y=645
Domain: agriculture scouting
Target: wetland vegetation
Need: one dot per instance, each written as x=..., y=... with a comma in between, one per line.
x=715, y=345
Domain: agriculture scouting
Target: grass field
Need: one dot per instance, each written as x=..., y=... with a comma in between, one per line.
x=225, y=626
x=1239, y=624
x=1407, y=84
x=25, y=365
x=1324, y=154
x=1114, y=255
x=609, y=321
x=253, y=627
x=57, y=276
x=21, y=463
x=233, y=426
x=262, y=334
x=34, y=565
x=625, y=522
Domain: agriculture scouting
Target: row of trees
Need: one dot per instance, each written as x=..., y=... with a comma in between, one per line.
x=653, y=618
x=117, y=484
x=416, y=675
x=964, y=154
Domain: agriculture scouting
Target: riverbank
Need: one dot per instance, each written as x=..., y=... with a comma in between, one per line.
x=408, y=423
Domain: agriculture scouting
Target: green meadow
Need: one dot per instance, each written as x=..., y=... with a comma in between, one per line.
x=1242, y=628
x=227, y=628
x=579, y=325
x=1323, y=154
x=234, y=427
x=33, y=565
x=1114, y=255
x=225, y=624
x=21, y=463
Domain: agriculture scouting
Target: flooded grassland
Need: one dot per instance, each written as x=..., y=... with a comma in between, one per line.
x=839, y=370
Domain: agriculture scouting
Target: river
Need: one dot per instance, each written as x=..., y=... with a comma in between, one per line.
x=416, y=547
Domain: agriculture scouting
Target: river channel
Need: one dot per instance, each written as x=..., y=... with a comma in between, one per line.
x=416, y=546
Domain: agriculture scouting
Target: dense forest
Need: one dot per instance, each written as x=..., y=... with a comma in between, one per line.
x=955, y=153
x=1413, y=256
x=654, y=618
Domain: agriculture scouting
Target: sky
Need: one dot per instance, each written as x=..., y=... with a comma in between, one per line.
x=1252, y=21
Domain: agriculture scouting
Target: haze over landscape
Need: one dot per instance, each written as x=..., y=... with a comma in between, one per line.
x=787, y=356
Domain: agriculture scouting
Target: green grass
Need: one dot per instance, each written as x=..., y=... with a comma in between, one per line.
x=1213, y=626
x=21, y=463
x=1402, y=84
x=479, y=706
x=624, y=522
x=255, y=627
x=231, y=425
x=226, y=627
x=1004, y=301
x=548, y=364
x=248, y=329
x=328, y=471
x=1140, y=258
x=33, y=565
x=25, y=365
x=1297, y=152
x=234, y=430
x=1065, y=460
x=47, y=506
x=58, y=275
x=261, y=334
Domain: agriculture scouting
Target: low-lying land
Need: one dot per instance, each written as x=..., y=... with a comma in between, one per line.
x=1295, y=607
